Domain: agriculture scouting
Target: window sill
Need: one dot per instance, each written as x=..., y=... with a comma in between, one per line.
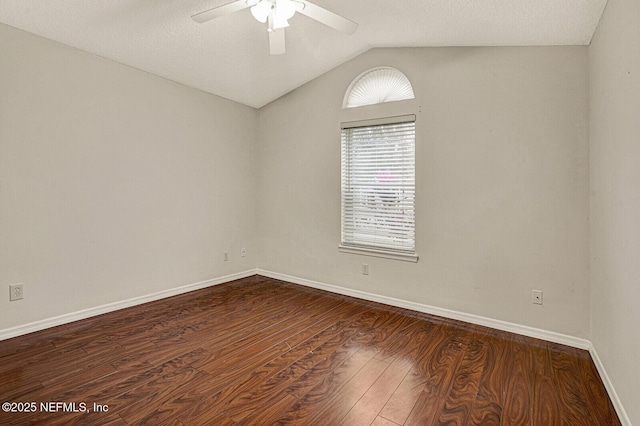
x=406, y=257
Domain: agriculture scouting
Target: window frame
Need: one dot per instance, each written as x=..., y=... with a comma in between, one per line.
x=363, y=248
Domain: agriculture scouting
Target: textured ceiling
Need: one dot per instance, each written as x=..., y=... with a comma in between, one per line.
x=230, y=57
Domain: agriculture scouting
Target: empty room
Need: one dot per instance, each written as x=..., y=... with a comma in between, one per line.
x=218, y=212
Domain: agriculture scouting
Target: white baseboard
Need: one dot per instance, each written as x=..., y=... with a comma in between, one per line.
x=433, y=310
x=110, y=307
x=613, y=395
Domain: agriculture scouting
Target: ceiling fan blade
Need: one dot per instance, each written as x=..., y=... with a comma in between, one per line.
x=219, y=11
x=276, y=41
x=328, y=18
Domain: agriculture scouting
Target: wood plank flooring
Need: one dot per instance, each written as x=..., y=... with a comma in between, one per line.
x=259, y=351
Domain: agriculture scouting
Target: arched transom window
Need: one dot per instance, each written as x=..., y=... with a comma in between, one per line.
x=376, y=86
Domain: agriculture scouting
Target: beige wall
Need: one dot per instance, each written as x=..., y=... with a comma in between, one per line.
x=114, y=183
x=615, y=198
x=502, y=183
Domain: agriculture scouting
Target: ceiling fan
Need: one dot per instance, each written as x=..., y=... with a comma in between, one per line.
x=277, y=13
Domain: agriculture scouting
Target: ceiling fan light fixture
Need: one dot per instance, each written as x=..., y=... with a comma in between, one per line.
x=261, y=11
x=279, y=18
x=285, y=9
x=277, y=12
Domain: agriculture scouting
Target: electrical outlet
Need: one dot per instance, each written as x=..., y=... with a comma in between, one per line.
x=226, y=256
x=537, y=297
x=16, y=292
x=365, y=269
x=243, y=252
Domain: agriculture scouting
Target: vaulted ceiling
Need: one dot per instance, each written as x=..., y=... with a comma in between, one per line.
x=229, y=56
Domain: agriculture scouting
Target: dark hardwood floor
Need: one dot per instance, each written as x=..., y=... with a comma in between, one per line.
x=260, y=351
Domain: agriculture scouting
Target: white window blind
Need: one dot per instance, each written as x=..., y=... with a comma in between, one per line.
x=376, y=86
x=378, y=185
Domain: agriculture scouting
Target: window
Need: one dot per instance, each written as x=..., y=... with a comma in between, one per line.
x=378, y=187
x=376, y=86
